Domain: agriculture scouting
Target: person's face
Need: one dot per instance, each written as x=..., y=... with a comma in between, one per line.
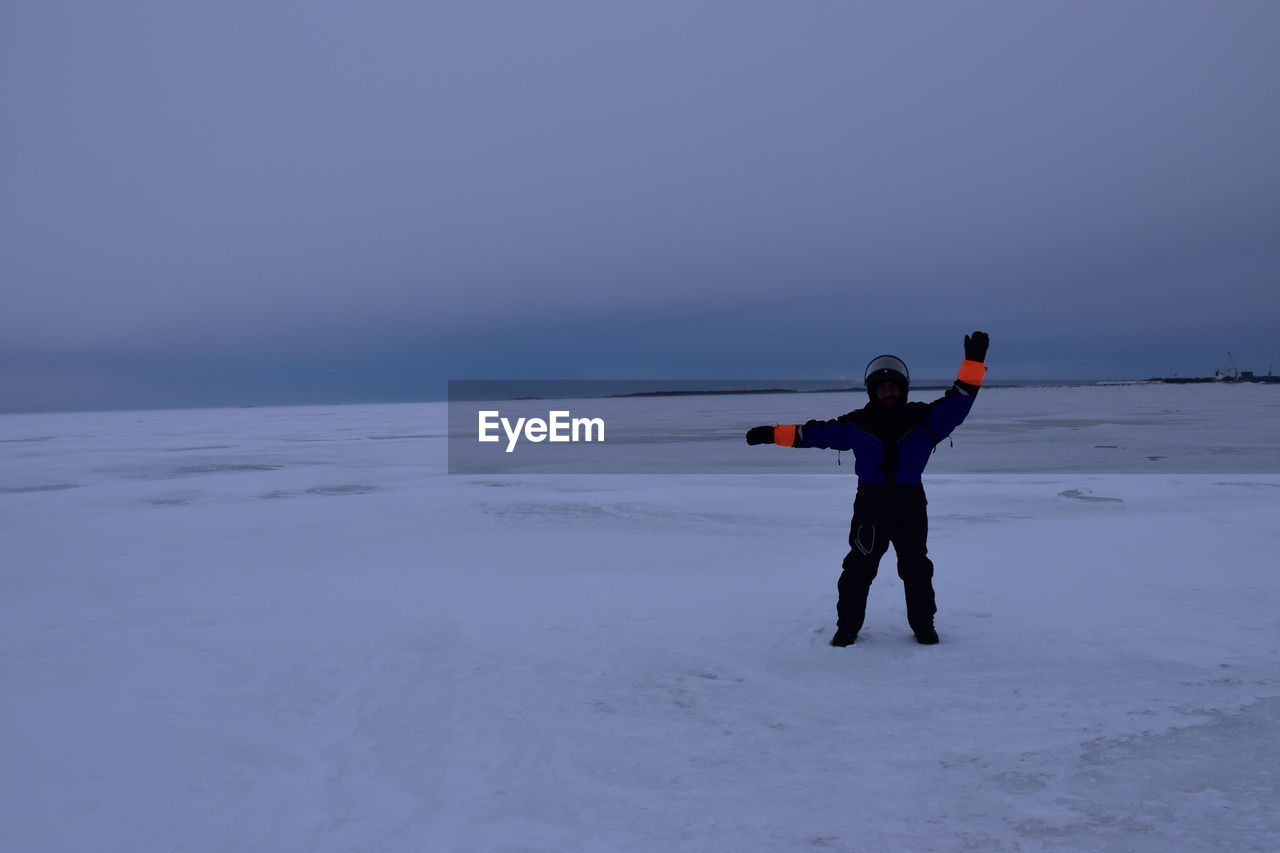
x=888, y=394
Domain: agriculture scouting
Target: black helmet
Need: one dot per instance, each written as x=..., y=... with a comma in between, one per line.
x=886, y=368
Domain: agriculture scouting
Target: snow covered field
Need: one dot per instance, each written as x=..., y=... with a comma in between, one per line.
x=290, y=630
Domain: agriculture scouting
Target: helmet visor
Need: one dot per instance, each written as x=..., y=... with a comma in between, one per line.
x=886, y=362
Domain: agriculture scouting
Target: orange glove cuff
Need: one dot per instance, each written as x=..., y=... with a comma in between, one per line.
x=972, y=372
x=785, y=435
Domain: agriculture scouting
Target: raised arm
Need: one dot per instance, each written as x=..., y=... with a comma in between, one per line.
x=949, y=411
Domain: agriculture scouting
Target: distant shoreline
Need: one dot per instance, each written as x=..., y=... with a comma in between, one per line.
x=931, y=385
x=519, y=390
x=1197, y=380
x=842, y=390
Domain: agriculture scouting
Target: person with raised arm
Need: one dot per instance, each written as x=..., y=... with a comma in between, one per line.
x=892, y=440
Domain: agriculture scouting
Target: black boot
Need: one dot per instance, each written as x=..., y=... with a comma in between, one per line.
x=844, y=638
x=927, y=636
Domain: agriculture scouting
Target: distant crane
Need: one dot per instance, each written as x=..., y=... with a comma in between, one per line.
x=1235, y=371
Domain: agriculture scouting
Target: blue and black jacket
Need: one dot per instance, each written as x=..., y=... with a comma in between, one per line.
x=891, y=446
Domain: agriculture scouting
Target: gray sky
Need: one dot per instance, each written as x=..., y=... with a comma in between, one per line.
x=225, y=202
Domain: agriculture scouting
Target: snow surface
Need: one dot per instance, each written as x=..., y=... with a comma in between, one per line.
x=290, y=629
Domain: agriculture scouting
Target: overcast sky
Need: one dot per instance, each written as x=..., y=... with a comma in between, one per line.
x=224, y=202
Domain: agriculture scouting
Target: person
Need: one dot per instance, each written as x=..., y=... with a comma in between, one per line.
x=892, y=440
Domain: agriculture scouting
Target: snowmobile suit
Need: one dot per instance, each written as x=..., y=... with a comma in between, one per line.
x=884, y=515
x=891, y=449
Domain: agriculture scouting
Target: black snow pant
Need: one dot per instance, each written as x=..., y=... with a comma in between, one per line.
x=883, y=515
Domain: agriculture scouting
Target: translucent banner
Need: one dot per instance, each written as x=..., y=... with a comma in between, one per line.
x=699, y=427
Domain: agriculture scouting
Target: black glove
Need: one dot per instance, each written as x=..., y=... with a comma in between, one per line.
x=975, y=346
x=760, y=435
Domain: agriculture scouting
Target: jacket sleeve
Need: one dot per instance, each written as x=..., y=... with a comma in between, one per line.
x=835, y=434
x=949, y=411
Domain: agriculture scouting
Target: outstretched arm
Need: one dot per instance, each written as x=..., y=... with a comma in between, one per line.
x=826, y=435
